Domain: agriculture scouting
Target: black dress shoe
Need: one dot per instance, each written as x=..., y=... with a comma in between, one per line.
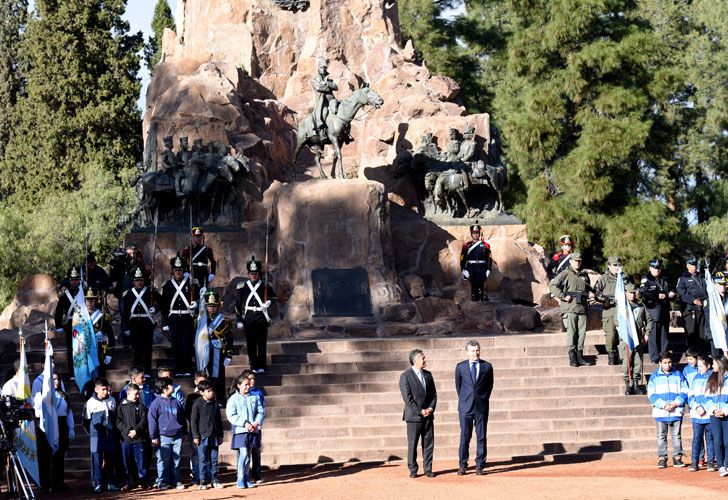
x=480, y=471
x=430, y=474
x=413, y=474
x=461, y=471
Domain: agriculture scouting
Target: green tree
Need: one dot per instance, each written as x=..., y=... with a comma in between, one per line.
x=13, y=15
x=577, y=103
x=421, y=22
x=76, y=136
x=161, y=19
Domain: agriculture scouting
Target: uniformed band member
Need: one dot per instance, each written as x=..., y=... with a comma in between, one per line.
x=632, y=365
x=560, y=260
x=137, y=316
x=571, y=287
x=204, y=266
x=656, y=295
x=64, y=312
x=604, y=293
x=220, y=333
x=693, y=295
x=179, y=307
x=103, y=330
x=475, y=262
x=254, y=297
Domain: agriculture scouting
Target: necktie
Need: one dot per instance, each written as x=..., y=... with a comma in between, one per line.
x=422, y=379
x=473, y=372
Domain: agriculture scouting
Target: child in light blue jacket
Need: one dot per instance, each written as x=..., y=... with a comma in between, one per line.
x=699, y=416
x=668, y=393
x=245, y=413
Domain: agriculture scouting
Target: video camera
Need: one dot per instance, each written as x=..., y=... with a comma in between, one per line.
x=13, y=411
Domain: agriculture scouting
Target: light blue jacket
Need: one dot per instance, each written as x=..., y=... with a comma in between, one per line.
x=718, y=401
x=665, y=388
x=242, y=410
x=689, y=372
x=698, y=399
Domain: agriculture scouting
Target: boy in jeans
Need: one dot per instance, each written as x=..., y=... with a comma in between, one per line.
x=131, y=420
x=207, y=433
x=668, y=392
x=167, y=427
x=99, y=417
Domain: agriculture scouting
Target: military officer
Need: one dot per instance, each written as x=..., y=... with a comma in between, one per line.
x=179, y=308
x=103, y=330
x=571, y=287
x=137, y=317
x=560, y=260
x=604, y=293
x=632, y=364
x=693, y=296
x=475, y=263
x=656, y=295
x=64, y=312
x=254, y=298
x=220, y=334
x=204, y=266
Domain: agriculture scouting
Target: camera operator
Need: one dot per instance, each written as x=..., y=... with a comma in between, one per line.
x=10, y=388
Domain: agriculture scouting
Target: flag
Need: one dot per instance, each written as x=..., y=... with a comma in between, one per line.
x=716, y=315
x=202, y=336
x=25, y=442
x=626, y=326
x=48, y=421
x=85, y=353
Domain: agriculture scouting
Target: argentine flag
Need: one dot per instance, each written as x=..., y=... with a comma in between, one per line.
x=202, y=336
x=85, y=352
x=626, y=326
x=717, y=315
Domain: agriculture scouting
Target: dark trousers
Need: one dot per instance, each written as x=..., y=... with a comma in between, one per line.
x=134, y=465
x=58, y=467
x=181, y=328
x=256, y=338
x=719, y=429
x=142, y=336
x=657, y=340
x=68, y=331
x=44, y=456
x=477, y=290
x=694, y=324
x=255, y=460
x=467, y=421
x=701, y=431
x=200, y=274
x=102, y=468
x=425, y=431
x=207, y=453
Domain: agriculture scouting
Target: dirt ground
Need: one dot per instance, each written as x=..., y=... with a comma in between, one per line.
x=608, y=479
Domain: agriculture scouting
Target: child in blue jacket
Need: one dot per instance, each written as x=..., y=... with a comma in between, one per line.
x=699, y=416
x=99, y=417
x=668, y=393
x=167, y=427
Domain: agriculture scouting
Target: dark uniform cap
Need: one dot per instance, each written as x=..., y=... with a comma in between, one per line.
x=198, y=231
x=576, y=256
x=254, y=265
x=138, y=274
x=614, y=261
x=656, y=263
x=566, y=240
x=693, y=261
x=475, y=227
x=212, y=298
x=74, y=273
x=720, y=278
x=91, y=294
x=177, y=263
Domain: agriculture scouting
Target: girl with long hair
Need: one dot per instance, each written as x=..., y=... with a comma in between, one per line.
x=716, y=405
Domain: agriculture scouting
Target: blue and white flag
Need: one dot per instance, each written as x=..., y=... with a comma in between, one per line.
x=48, y=418
x=25, y=441
x=716, y=314
x=85, y=352
x=626, y=326
x=202, y=336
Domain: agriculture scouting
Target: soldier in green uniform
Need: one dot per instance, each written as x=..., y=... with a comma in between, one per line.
x=604, y=293
x=632, y=365
x=572, y=288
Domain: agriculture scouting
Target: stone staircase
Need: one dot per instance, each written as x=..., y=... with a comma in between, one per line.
x=339, y=401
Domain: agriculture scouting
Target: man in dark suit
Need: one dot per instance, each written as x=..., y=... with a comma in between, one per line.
x=420, y=398
x=473, y=383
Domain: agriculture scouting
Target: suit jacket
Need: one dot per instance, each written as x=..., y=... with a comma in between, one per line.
x=415, y=397
x=473, y=397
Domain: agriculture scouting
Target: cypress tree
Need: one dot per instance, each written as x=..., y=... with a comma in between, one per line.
x=13, y=15
x=161, y=19
x=421, y=21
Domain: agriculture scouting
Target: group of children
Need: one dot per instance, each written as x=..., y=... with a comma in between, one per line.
x=703, y=387
x=127, y=431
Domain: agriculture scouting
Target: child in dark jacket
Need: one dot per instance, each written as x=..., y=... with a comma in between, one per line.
x=167, y=427
x=207, y=433
x=99, y=417
x=131, y=420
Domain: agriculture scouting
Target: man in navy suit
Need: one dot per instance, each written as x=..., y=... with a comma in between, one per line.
x=473, y=383
x=420, y=398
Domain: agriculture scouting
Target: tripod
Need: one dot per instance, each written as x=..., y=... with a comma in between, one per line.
x=17, y=479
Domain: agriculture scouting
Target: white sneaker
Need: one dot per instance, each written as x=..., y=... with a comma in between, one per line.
x=723, y=472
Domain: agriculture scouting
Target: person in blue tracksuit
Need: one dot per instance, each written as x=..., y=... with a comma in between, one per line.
x=99, y=420
x=716, y=405
x=668, y=393
x=699, y=416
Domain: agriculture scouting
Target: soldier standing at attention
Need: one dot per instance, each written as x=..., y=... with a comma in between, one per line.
x=560, y=260
x=64, y=313
x=204, y=266
x=604, y=293
x=178, y=311
x=693, y=297
x=656, y=295
x=475, y=262
x=103, y=331
x=572, y=289
x=137, y=316
x=254, y=297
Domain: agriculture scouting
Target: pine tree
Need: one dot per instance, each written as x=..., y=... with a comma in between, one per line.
x=576, y=104
x=421, y=21
x=13, y=15
x=161, y=19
